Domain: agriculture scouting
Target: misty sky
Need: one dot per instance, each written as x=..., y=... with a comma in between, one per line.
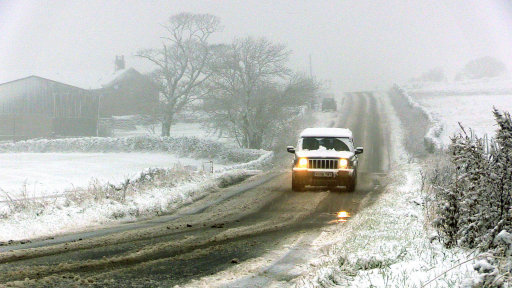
x=354, y=44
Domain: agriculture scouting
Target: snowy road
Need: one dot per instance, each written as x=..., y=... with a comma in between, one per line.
x=258, y=233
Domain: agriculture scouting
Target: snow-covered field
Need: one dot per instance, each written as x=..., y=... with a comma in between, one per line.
x=163, y=174
x=501, y=85
x=473, y=111
x=84, y=209
x=179, y=129
x=42, y=174
x=471, y=105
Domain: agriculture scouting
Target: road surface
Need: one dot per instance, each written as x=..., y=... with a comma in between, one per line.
x=242, y=222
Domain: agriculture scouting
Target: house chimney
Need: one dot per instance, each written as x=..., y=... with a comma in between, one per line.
x=119, y=64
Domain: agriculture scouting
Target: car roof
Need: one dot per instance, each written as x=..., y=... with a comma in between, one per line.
x=326, y=132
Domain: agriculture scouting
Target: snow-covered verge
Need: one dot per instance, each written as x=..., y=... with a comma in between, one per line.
x=431, y=138
x=153, y=192
x=388, y=244
x=465, y=205
x=469, y=194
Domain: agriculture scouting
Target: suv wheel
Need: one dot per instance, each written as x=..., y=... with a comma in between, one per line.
x=351, y=185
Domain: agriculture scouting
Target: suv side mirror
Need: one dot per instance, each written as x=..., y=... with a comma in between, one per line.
x=359, y=150
x=290, y=149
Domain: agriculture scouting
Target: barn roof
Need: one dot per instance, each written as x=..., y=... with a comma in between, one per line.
x=87, y=81
x=42, y=78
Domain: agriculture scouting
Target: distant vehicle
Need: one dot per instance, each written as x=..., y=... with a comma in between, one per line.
x=329, y=104
x=325, y=157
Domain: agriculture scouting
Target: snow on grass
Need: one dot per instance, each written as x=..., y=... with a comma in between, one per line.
x=473, y=111
x=396, y=149
x=387, y=244
x=98, y=188
x=43, y=171
x=43, y=174
x=65, y=215
x=153, y=192
x=469, y=102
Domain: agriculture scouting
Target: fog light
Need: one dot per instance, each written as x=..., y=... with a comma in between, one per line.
x=303, y=163
x=343, y=163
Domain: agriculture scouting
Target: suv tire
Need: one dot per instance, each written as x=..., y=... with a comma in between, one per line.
x=297, y=187
x=351, y=185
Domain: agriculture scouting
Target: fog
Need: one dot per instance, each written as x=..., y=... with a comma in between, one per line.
x=353, y=45
x=255, y=143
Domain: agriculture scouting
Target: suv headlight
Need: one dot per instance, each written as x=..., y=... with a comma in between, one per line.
x=303, y=163
x=343, y=163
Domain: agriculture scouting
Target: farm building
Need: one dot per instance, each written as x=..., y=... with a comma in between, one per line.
x=127, y=92
x=35, y=107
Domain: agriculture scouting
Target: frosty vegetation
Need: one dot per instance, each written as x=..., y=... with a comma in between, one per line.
x=483, y=67
x=153, y=192
x=470, y=195
x=183, y=62
x=436, y=74
x=418, y=123
x=245, y=87
x=253, y=97
x=183, y=146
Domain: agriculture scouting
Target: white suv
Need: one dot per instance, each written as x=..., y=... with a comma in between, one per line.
x=325, y=157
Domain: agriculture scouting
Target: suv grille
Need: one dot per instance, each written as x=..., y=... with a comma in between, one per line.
x=323, y=164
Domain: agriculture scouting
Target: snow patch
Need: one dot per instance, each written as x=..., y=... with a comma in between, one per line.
x=326, y=132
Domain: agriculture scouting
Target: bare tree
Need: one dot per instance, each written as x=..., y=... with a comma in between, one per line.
x=252, y=93
x=182, y=62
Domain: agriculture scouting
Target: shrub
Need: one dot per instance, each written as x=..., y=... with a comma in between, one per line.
x=473, y=190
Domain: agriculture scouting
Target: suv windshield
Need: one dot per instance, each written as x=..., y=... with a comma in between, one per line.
x=325, y=143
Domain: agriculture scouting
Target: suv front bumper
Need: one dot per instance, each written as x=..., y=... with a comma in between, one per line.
x=322, y=177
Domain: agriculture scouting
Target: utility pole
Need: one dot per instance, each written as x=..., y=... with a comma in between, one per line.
x=14, y=128
x=310, y=67
x=313, y=104
x=98, y=116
